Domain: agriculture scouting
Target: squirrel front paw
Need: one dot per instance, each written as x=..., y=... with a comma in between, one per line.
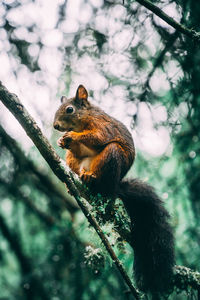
x=64, y=142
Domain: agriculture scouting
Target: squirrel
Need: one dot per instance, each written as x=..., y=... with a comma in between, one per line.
x=100, y=149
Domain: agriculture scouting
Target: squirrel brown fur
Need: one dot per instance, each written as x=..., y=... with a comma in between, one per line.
x=100, y=150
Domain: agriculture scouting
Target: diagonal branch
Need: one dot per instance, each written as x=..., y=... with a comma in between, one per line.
x=12, y=102
x=169, y=20
x=17, y=194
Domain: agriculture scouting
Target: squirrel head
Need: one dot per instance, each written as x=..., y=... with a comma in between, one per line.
x=72, y=112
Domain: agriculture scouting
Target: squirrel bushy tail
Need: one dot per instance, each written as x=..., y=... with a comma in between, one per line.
x=152, y=237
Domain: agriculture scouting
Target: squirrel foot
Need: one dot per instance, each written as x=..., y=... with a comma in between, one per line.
x=87, y=177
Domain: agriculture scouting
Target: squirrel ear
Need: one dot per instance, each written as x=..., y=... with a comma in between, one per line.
x=81, y=93
x=63, y=99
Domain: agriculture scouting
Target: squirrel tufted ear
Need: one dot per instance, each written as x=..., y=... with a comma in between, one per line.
x=81, y=93
x=63, y=99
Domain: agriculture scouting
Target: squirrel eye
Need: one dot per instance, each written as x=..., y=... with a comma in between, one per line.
x=69, y=109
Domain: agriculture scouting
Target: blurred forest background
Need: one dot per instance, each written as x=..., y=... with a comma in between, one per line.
x=138, y=69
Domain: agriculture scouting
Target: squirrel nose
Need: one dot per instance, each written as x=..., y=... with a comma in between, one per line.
x=56, y=126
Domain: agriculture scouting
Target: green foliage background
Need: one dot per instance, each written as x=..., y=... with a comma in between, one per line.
x=43, y=234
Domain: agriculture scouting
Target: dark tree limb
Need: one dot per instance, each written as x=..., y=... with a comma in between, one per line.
x=169, y=20
x=12, y=102
x=10, y=188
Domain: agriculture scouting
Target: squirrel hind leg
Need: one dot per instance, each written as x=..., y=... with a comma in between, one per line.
x=73, y=162
x=109, y=166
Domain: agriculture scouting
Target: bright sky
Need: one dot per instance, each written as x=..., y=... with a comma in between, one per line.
x=40, y=91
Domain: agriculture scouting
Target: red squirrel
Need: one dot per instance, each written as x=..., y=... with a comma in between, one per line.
x=100, y=150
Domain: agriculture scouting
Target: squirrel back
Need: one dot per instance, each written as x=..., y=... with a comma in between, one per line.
x=100, y=150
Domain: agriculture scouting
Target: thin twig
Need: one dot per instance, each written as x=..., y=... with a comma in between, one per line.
x=157, y=62
x=12, y=102
x=169, y=20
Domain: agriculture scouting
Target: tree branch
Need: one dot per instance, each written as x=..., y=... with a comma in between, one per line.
x=12, y=102
x=185, y=279
x=156, y=63
x=169, y=20
x=10, y=188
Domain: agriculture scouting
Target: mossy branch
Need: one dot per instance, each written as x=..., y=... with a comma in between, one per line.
x=186, y=279
x=12, y=102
